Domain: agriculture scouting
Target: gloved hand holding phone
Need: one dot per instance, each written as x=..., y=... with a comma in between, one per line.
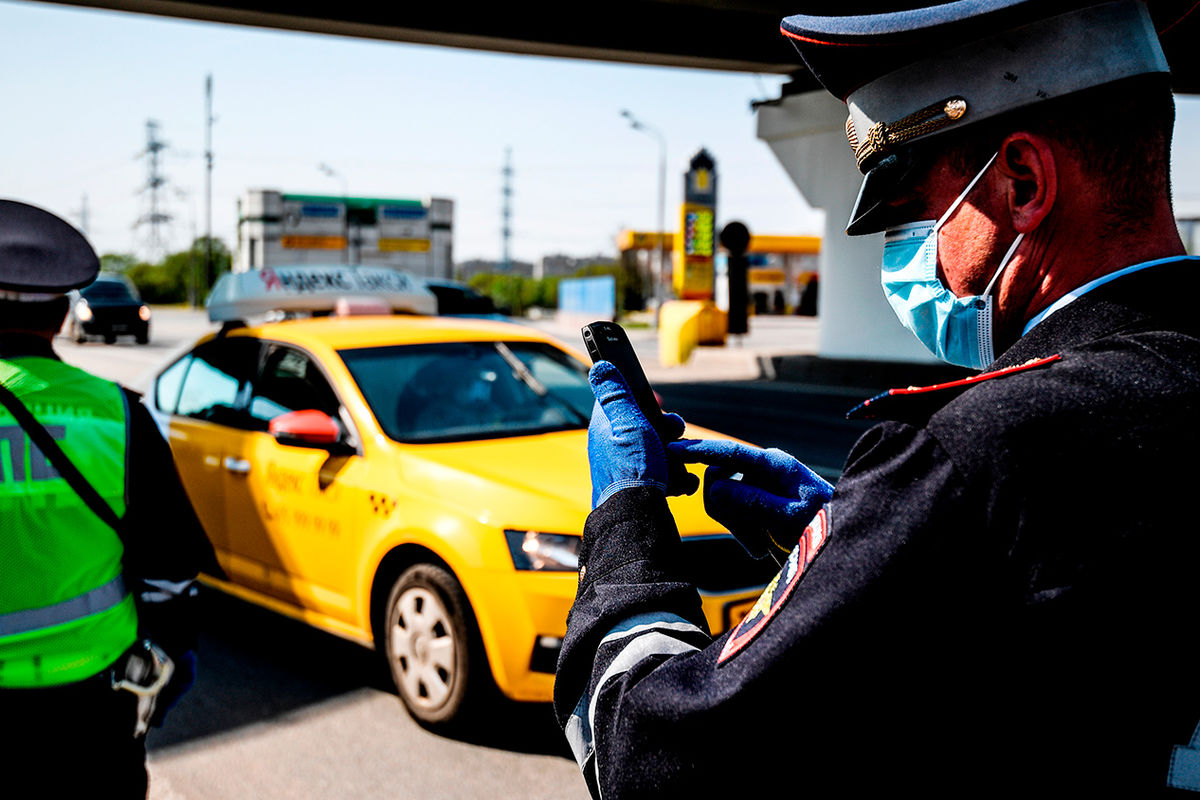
x=624, y=449
x=769, y=507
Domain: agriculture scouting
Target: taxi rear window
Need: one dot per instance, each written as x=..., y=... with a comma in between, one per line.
x=455, y=391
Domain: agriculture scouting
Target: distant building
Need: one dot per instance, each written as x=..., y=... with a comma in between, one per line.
x=465, y=270
x=277, y=229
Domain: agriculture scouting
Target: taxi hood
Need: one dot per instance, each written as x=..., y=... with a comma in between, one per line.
x=530, y=482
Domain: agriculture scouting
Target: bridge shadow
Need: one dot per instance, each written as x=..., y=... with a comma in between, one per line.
x=255, y=665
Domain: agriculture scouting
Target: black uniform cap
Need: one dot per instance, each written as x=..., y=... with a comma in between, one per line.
x=909, y=76
x=41, y=253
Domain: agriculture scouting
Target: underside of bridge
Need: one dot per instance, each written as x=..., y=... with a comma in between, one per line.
x=737, y=35
x=717, y=34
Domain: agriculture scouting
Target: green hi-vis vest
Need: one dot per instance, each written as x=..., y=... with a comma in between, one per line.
x=65, y=614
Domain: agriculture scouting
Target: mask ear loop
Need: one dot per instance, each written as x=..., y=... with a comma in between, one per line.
x=1012, y=248
x=987, y=352
x=958, y=200
x=954, y=206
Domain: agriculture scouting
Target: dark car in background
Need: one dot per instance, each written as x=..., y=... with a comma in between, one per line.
x=109, y=307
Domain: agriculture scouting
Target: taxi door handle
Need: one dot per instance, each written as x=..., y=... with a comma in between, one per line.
x=238, y=465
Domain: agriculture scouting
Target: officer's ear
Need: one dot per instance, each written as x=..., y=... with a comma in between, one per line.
x=1027, y=163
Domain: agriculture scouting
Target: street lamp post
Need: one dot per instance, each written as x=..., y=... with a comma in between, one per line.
x=210, y=272
x=638, y=125
x=332, y=173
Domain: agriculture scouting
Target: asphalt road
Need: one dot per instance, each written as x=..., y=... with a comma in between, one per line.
x=172, y=330
x=282, y=710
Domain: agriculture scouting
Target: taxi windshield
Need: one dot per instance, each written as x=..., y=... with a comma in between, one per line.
x=455, y=391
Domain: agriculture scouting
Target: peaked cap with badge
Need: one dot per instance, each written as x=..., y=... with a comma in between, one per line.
x=41, y=255
x=913, y=75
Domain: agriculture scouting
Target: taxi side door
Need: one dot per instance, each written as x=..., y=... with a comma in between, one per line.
x=309, y=506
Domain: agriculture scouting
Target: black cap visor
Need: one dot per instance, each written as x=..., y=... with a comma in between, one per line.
x=876, y=209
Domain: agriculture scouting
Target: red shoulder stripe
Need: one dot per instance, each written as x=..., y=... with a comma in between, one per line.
x=985, y=376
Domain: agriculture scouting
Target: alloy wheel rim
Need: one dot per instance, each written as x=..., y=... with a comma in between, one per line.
x=422, y=648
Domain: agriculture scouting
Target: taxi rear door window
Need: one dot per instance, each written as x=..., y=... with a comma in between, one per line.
x=169, y=383
x=217, y=381
x=290, y=381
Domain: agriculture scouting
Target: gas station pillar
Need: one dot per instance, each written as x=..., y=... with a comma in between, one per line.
x=807, y=133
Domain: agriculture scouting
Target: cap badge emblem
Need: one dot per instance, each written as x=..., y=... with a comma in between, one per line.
x=883, y=136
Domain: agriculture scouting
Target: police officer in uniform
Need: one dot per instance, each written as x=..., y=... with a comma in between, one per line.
x=99, y=545
x=998, y=595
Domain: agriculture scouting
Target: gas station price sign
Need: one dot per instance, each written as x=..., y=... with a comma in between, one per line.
x=698, y=231
x=693, y=275
x=692, y=278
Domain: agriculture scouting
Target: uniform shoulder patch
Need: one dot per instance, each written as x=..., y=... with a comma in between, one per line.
x=780, y=588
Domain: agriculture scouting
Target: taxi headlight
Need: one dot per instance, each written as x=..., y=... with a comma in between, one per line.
x=82, y=312
x=144, y=313
x=543, y=552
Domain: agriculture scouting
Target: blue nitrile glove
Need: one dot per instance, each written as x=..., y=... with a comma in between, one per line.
x=770, y=506
x=623, y=449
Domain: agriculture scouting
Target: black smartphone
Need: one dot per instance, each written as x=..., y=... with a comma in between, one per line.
x=607, y=341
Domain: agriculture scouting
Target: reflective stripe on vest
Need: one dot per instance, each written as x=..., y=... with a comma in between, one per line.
x=100, y=599
x=58, y=624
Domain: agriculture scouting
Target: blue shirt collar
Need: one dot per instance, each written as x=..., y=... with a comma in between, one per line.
x=1075, y=294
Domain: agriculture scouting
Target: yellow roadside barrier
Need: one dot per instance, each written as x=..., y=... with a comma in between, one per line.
x=683, y=325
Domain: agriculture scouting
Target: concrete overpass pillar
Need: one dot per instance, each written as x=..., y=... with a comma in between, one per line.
x=807, y=133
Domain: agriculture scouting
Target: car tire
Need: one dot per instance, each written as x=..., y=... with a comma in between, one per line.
x=432, y=646
x=143, y=338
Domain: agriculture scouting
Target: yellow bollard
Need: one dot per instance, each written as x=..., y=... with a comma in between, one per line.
x=714, y=323
x=685, y=324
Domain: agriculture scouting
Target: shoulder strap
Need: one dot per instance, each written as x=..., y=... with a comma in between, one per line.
x=66, y=468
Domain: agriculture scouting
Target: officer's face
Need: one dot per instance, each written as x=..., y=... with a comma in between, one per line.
x=972, y=242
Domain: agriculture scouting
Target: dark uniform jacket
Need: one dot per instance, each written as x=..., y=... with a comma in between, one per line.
x=998, y=598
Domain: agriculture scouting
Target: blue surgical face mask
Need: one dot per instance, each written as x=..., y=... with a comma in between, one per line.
x=955, y=329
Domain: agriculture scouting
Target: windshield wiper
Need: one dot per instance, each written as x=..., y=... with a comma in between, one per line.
x=522, y=371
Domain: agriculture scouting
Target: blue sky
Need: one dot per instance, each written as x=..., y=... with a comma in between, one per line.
x=393, y=120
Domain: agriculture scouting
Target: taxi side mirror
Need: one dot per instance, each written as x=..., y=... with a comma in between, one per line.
x=310, y=428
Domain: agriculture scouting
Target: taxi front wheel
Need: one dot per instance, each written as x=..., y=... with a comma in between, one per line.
x=432, y=646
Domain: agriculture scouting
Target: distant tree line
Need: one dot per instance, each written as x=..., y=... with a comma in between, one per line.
x=172, y=280
x=516, y=294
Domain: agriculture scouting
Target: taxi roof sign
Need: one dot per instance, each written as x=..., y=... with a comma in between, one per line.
x=315, y=289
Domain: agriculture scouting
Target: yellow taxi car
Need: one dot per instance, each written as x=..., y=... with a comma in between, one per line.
x=417, y=484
